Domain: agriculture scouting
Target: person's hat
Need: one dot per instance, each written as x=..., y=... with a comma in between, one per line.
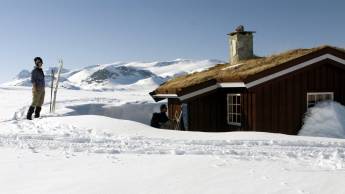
x=163, y=106
x=38, y=59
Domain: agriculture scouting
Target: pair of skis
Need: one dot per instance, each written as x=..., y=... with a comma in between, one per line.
x=54, y=86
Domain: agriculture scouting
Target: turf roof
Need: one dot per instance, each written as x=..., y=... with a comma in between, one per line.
x=233, y=72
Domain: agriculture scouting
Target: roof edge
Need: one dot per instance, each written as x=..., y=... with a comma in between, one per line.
x=159, y=97
x=295, y=68
x=326, y=50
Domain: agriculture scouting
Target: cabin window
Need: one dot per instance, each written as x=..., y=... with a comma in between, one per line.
x=315, y=97
x=234, y=109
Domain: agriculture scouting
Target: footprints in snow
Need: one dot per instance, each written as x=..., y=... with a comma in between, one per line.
x=258, y=175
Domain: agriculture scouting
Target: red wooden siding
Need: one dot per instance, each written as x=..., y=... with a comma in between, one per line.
x=281, y=103
x=209, y=112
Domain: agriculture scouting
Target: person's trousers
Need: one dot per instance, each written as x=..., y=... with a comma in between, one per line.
x=38, y=97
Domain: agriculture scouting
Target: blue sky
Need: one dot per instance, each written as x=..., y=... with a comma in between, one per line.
x=88, y=32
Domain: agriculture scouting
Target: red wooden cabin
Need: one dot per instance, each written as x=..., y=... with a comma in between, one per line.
x=251, y=93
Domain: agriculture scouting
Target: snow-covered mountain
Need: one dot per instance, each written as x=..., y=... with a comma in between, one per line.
x=120, y=75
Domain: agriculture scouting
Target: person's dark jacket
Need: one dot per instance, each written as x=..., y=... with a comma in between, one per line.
x=37, y=77
x=158, y=119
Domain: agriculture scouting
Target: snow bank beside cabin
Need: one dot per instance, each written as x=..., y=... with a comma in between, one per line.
x=326, y=119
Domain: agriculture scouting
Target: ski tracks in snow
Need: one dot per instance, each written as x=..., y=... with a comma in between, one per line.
x=43, y=136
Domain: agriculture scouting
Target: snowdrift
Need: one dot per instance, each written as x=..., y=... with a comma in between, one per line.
x=128, y=111
x=326, y=119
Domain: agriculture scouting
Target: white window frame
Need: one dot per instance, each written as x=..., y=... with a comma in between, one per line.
x=314, y=94
x=231, y=113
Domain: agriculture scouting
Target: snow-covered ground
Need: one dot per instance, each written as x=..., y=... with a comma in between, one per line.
x=26, y=172
x=98, y=142
x=97, y=154
x=81, y=102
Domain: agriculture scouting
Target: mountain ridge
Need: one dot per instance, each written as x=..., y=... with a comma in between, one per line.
x=119, y=75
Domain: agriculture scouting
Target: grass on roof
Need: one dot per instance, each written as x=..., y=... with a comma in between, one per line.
x=233, y=72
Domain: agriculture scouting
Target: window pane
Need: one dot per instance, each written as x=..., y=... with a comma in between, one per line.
x=313, y=98
x=234, y=109
x=318, y=98
x=238, y=119
x=324, y=97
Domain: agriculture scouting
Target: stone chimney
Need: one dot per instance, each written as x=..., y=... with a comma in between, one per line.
x=241, y=45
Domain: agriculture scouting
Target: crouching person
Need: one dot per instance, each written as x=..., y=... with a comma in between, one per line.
x=38, y=89
x=161, y=120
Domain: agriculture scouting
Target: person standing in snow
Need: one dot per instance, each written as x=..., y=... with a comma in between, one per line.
x=160, y=120
x=38, y=89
